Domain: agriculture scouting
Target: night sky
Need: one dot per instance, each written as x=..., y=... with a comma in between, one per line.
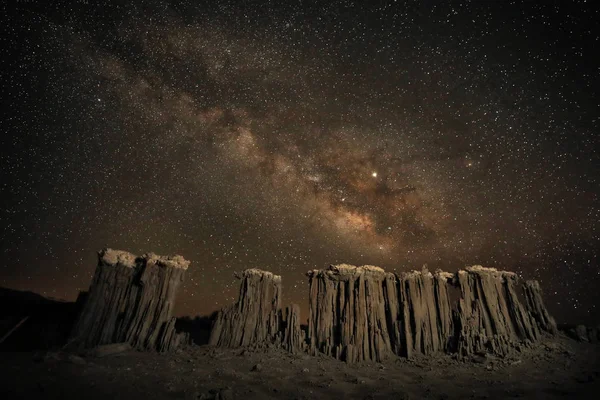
x=289, y=137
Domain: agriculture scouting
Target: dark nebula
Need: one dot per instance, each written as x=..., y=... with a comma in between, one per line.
x=290, y=137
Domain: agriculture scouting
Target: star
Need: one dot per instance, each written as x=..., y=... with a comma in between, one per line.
x=218, y=134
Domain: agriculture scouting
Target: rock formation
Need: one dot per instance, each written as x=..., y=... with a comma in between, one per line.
x=582, y=333
x=256, y=318
x=533, y=296
x=348, y=313
x=490, y=316
x=426, y=316
x=291, y=336
x=130, y=301
x=364, y=313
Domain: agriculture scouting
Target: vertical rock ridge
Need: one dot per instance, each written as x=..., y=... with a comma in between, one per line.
x=355, y=313
x=131, y=300
x=348, y=318
x=426, y=318
x=293, y=339
x=536, y=307
x=256, y=316
x=491, y=317
x=363, y=313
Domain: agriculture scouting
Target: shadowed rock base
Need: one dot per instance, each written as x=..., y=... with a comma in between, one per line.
x=131, y=301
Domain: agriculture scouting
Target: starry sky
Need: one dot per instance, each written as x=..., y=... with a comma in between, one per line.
x=292, y=136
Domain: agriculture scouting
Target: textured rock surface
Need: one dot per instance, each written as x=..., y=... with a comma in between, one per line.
x=490, y=316
x=292, y=337
x=535, y=304
x=255, y=317
x=364, y=313
x=347, y=309
x=131, y=301
x=426, y=317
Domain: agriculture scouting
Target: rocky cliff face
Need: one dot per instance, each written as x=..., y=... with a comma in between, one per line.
x=535, y=304
x=292, y=336
x=131, y=300
x=256, y=319
x=364, y=313
x=355, y=313
x=425, y=318
x=490, y=316
x=348, y=312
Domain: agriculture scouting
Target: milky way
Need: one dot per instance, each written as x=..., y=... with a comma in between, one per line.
x=291, y=137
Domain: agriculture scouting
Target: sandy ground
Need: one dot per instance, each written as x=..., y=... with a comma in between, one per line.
x=556, y=368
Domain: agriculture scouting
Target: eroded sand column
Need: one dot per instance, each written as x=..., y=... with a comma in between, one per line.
x=131, y=300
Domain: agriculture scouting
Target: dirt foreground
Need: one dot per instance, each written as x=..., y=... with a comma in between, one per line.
x=554, y=368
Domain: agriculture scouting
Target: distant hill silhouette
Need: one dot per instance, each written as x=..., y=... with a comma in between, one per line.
x=48, y=325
